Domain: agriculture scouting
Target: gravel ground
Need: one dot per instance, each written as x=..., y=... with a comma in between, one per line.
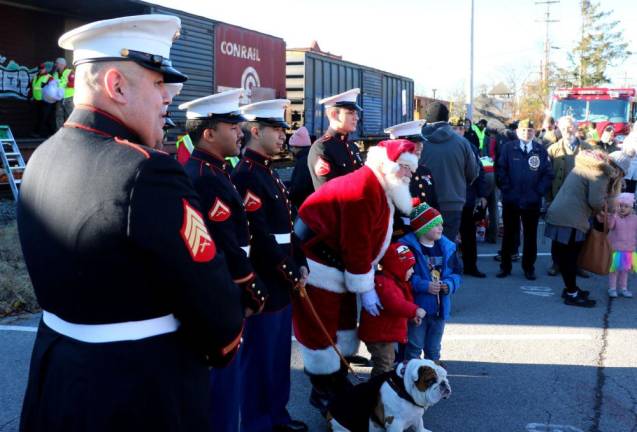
x=7, y=211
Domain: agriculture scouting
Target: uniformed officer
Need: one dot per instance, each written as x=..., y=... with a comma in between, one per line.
x=265, y=361
x=137, y=303
x=525, y=175
x=333, y=155
x=213, y=125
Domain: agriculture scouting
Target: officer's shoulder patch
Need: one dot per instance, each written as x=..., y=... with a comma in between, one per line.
x=219, y=212
x=196, y=236
x=322, y=167
x=131, y=145
x=251, y=202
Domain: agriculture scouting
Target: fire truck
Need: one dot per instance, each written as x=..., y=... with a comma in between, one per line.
x=601, y=106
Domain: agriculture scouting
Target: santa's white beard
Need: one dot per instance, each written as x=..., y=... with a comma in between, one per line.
x=398, y=191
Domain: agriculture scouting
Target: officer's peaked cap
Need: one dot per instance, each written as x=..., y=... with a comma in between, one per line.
x=144, y=39
x=411, y=130
x=343, y=100
x=222, y=106
x=269, y=112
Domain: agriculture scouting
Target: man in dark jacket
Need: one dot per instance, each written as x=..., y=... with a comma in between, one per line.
x=524, y=173
x=476, y=195
x=452, y=163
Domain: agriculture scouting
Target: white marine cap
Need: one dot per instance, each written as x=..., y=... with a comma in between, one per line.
x=223, y=106
x=410, y=129
x=270, y=112
x=346, y=100
x=145, y=39
x=173, y=89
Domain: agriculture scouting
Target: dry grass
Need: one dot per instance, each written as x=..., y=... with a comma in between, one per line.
x=16, y=292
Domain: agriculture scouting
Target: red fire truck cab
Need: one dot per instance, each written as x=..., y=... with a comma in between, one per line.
x=602, y=106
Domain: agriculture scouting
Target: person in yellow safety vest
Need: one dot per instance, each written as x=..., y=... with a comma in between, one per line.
x=476, y=135
x=184, y=148
x=65, y=77
x=45, y=120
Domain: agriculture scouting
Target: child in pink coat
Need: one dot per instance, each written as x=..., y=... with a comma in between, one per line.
x=622, y=235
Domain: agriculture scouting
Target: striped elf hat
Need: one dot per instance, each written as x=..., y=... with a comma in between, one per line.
x=423, y=218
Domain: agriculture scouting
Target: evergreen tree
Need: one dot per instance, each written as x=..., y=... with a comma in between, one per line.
x=601, y=46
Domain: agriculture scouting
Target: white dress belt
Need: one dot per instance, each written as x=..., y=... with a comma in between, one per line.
x=283, y=238
x=117, y=332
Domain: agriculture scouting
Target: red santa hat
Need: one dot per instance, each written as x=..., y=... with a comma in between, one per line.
x=388, y=155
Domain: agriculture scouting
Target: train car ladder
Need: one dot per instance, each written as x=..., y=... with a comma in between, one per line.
x=12, y=161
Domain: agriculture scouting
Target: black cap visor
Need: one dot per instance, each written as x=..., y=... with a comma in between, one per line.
x=233, y=117
x=414, y=138
x=349, y=105
x=273, y=122
x=156, y=63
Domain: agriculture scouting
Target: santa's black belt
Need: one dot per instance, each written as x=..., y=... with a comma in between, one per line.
x=322, y=251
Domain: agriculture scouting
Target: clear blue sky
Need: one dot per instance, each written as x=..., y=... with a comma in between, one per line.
x=427, y=40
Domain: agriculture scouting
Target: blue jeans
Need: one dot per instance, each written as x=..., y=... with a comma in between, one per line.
x=427, y=336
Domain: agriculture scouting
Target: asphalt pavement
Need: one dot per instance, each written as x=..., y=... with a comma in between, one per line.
x=518, y=359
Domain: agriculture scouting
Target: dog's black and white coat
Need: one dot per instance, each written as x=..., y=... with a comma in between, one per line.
x=394, y=402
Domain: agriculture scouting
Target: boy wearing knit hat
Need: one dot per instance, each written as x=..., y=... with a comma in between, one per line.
x=436, y=277
x=381, y=332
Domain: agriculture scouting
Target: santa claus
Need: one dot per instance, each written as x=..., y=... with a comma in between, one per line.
x=345, y=228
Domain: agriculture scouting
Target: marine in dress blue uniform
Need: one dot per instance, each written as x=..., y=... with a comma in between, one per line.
x=333, y=155
x=137, y=302
x=265, y=361
x=213, y=125
x=525, y=174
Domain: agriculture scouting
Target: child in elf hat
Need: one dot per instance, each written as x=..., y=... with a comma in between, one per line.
x=436, y=277
x=622, y=235
x=380, y=333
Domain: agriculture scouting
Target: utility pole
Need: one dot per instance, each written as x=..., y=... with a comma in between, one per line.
x=434, y=92
x=547, y=43
x=470, y=104
x=584, y=6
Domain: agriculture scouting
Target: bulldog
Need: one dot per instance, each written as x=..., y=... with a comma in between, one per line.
x=394, y=401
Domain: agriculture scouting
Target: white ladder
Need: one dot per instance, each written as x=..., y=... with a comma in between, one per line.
x=12, y=161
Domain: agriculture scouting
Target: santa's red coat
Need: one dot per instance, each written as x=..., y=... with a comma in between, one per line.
x=353, y=217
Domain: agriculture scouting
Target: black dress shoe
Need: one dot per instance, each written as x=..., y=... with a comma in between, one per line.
x=358, y=360
x=475, y=273
x=530, y=275
x=582, y=293
x=579, y=300
x=293, y=426
x=503, y=274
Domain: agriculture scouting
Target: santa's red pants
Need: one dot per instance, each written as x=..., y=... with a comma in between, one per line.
x=338, y=312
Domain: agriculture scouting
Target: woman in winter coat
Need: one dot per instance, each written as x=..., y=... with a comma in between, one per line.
x=595, y=178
